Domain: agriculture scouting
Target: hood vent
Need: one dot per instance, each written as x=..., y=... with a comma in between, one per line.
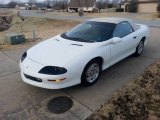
x=77, y=44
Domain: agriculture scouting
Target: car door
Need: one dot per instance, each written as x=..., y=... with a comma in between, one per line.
x=125, y=47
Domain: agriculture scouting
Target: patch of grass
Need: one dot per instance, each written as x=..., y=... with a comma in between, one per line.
x=44, y=29
x=138, y=100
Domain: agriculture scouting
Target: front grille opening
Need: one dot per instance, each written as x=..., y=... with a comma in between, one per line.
x=33, y=78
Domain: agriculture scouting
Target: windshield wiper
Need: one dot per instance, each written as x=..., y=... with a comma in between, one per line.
x=82, y=40
x=75, y=39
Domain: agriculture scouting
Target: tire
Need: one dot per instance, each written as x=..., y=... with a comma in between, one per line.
x=139, y=48
x=91, y=73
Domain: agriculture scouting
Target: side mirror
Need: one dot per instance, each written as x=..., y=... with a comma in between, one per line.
x=116, y=40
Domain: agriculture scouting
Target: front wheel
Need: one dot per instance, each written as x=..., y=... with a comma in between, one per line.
x=91, y=73
x=139, y=48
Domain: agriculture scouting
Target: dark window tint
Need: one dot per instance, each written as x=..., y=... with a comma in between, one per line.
x=91, y=32
x=122, y=29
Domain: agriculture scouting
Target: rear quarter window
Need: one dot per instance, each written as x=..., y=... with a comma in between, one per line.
x=122, y=29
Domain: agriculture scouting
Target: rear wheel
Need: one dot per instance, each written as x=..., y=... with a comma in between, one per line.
x=139, y=48
x=91, y=73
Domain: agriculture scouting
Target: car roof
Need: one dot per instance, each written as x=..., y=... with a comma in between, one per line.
x=114, y=20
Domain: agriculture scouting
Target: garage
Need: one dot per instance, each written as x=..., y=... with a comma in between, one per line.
x=144, y=6
x=147, y=7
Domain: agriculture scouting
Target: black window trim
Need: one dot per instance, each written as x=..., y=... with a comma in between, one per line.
x=130, y=26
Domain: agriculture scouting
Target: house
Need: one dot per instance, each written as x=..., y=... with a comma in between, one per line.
x=86, y=5
x=20, y=6
x=26, y=6
x=144, y=6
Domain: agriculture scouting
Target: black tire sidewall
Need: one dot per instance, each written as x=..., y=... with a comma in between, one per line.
x=84, y=82
x=137, y=53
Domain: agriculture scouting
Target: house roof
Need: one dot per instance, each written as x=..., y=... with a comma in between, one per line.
x=147, y=1
x=142, y=1
x=21, y=5
x=80, y=3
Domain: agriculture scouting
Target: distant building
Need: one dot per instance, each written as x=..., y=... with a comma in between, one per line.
x=26, y=6
x=21, y=6
x=86, y=5
x=144, y=6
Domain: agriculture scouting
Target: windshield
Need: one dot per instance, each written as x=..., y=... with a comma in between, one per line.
x=91, y=32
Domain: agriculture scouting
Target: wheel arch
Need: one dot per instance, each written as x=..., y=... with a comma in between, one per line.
x=98, y=58
x=143, y=38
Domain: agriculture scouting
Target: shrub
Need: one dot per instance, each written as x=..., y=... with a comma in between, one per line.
x=133, y=6
x=119, y=10
x=80, y=13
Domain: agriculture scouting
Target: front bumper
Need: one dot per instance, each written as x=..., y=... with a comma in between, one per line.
x=30, y=75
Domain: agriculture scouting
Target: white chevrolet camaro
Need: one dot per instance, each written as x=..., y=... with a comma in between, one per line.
x=79, y=55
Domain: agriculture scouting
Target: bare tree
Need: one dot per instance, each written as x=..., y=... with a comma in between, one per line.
x=133, y=6
x=63, y=4
x=100, y=5
x=48, y=4
x=12, y=4
x=55, y=4
x=32, y=2
x=158, y=7
x=106, y=4
x=80, y=3
x=86, y=3
x=116, y=2
x=48, y=1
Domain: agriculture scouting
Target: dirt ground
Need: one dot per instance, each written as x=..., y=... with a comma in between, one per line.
x=5, y=20
x=44, y=28
x=138, y=100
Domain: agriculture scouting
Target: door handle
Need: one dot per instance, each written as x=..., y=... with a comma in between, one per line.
x=134, y=37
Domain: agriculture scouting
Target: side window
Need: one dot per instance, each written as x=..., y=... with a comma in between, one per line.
x=122, y=29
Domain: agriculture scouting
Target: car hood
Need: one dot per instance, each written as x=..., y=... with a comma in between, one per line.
x=57, y=51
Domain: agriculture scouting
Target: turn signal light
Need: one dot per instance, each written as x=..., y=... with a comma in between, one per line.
x=58, y=80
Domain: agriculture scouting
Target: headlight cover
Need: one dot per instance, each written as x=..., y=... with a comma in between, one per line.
x=52, y=70
x=23, y=56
